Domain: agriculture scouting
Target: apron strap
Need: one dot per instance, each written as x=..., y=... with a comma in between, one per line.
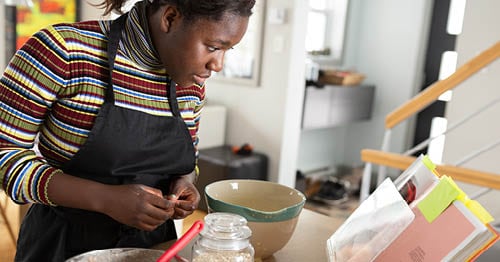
x=172, y=99
x=114, y=39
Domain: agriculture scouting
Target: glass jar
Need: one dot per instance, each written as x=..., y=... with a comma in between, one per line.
x=225, y=237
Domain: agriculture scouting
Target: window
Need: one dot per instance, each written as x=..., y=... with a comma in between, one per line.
x=325, y=29
x=318, y=19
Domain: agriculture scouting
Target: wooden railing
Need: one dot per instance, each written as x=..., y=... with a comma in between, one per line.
x=422, y=100
x=431, y=93
x=402, y=162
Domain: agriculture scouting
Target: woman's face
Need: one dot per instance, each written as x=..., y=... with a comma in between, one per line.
x=191, y=51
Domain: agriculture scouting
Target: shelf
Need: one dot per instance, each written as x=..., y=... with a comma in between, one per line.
x=331, y=105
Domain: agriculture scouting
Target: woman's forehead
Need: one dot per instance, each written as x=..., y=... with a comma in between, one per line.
x=228, y=24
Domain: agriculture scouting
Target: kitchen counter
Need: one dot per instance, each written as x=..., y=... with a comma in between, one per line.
x=308, y=242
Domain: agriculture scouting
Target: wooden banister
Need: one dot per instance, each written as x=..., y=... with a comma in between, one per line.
x=430, y=94
x=393, y=160
x=402, y=162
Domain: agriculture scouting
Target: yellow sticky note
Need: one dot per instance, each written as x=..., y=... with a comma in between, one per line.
x=428, y=163
x=479, y=211
x=438, y=199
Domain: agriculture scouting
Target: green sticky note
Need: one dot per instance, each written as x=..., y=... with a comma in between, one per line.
x=438, y=199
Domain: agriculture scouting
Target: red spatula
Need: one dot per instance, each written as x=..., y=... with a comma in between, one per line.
x=181, y=242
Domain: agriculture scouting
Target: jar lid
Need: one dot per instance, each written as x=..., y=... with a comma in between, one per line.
x=226, y=226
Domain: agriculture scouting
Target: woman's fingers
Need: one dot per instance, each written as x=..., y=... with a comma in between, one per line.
x=183, y=209
x=185, y=205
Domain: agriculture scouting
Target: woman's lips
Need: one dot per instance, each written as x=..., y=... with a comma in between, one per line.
x=200, y=79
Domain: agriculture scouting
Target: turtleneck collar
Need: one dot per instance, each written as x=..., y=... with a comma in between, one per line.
x=136, y=42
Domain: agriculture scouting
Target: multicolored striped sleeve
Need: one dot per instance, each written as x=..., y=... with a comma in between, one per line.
x=28, y=87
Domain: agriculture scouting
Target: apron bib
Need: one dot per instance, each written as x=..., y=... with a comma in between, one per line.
x=123, y=147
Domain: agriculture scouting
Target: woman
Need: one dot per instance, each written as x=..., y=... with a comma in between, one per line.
x=116, y=107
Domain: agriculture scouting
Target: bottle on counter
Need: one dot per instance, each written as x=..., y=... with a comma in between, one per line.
x=225, y=237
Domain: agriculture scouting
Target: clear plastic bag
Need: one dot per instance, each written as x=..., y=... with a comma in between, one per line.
x=371, y=227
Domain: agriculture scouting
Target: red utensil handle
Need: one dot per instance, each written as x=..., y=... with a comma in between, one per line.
x=182, y=242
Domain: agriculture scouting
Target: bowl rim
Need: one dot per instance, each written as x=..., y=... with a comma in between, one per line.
x=108, y=251
x=251, y=214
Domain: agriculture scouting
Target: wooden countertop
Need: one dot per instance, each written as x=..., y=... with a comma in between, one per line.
x=308, y=242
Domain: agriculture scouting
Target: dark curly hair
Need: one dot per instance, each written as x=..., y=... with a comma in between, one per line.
x=193, y=9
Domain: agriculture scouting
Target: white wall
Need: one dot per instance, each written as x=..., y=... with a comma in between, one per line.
x=88, y=11
x=386, y=41
x=391, y=51
x=479, y=32
x=268, y=116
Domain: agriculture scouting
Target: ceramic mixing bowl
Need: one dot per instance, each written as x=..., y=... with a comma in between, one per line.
x=271, y=209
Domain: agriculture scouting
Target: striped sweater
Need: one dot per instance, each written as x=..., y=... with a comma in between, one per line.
x=53, y=87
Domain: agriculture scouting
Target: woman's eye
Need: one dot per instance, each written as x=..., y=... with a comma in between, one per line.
x=213, y=48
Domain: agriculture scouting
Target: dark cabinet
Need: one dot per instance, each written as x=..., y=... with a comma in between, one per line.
x=220, y=163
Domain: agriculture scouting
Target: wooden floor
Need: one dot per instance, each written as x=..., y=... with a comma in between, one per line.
x=12, y=212
x=7, y=248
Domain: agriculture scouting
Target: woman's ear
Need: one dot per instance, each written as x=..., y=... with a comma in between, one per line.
x=169, y=18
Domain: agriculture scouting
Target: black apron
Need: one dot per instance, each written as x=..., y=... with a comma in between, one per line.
x=123, y=147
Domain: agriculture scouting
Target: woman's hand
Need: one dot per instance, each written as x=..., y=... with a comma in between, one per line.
x=138, y=206
x=185, y=196
x=134, y=205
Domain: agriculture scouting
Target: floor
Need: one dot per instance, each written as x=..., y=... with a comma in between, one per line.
x=7, y=249
x=11, y=211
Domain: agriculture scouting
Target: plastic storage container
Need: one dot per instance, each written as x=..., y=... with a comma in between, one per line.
x=225, y=237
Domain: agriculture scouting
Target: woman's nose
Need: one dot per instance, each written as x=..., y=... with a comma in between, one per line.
x=216, y=63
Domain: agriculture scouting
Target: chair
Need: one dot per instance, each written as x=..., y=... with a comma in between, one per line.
x=384, y=159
